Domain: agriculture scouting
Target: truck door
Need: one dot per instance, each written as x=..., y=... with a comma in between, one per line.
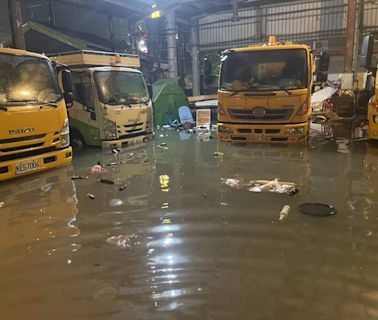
x=83, y=115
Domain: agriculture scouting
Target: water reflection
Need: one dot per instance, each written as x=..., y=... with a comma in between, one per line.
x=180, y=243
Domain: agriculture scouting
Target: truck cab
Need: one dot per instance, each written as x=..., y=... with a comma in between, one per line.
x=112, y=103
x=34, y=128
x=265, y=93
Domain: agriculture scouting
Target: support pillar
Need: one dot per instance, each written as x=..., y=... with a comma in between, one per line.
x=350, y=35
x=15, y=18
x=51, y=12
x=194, y=40
x=171, y=43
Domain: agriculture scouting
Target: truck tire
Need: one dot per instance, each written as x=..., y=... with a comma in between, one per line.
x=77, y=140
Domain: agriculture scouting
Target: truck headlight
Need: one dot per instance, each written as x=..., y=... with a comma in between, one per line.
x=65, y=134
x=298, y=130
x=110, y=130
x=223, y=129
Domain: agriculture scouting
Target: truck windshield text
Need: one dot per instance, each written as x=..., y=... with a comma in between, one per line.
x=268, y=70
x=27, y=80
x=117, y=88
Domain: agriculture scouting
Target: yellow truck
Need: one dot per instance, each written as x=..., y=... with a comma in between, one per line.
x=34, y=128
x=371, y=87
x=112, y=103
x=265, y=93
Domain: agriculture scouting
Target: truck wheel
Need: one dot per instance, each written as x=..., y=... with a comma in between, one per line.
x=77, y=140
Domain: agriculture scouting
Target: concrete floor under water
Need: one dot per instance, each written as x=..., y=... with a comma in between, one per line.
x=179, y=243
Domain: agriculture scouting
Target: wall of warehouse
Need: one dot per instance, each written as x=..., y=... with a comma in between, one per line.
x=320, y=24
x=4, y=21
x=78, y=19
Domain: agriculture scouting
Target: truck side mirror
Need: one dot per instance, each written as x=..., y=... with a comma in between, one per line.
x=150, y=91
x=69, y=99
x=367, y=51
x=67, y=80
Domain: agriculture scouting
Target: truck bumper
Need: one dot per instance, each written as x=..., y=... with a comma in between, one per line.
x=46, y=161
x=122, y=143
x=263, y=133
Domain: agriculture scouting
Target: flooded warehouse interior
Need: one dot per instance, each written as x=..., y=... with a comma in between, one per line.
x=186, y=159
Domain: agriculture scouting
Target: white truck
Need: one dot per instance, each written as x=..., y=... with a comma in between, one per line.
x=112, y=103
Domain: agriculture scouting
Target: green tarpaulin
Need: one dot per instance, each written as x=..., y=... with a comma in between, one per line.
x=168, y=97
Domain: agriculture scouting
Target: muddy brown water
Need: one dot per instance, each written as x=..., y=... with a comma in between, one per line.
x=186, y=245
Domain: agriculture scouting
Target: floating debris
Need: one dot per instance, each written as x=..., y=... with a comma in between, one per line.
x=204, y=195
x=121, y=188
x=163, y=144
x=90, y=196
x=2, y=204
x=232, y=182
x=106, y=181
x=218, y=154
x=274, y=186
x=116, y=151
x=284, y=213
x=166, y=221
x=123, y=241
x=97, y=169
x=46, y=188
x=317, y=209
x=79, y=177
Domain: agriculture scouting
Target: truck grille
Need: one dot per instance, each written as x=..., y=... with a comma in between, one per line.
x=12, y=140
x=270, y=115
x=26, y=154
x=130, y=129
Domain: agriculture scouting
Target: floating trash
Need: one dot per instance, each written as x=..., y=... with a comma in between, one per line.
x=2, y=204
x=79, y=177
x=121, y=188
x=90, y=196
x=97, y=169
x=284, y=213
x=46, y=188
x=317, y=209
x=116, y=151
x=274, y=186
x=106, y=181
x=232, y=182
x=218, y=154
x=123, y=241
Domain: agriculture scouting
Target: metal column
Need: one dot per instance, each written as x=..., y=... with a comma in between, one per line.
x=350, y=35
x=172, y=44
x=51, y=12
x=195, y=58
x=15, y=18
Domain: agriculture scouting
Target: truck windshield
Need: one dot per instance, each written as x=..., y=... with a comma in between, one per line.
x=27, y=80
x=121, y=87
x=265, y=70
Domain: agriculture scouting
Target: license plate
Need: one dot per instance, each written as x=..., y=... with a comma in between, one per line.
x=257, y=137
x=24, y=167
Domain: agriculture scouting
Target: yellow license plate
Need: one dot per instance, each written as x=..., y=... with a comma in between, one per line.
x=25, y=167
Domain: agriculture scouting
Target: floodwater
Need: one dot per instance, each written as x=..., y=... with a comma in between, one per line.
x=179, y=243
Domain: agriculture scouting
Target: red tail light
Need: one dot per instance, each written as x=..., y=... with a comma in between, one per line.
x=303, y=109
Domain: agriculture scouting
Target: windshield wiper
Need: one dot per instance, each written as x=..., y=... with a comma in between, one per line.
x=49, y=104
x=287, y=91
x=242, y=90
